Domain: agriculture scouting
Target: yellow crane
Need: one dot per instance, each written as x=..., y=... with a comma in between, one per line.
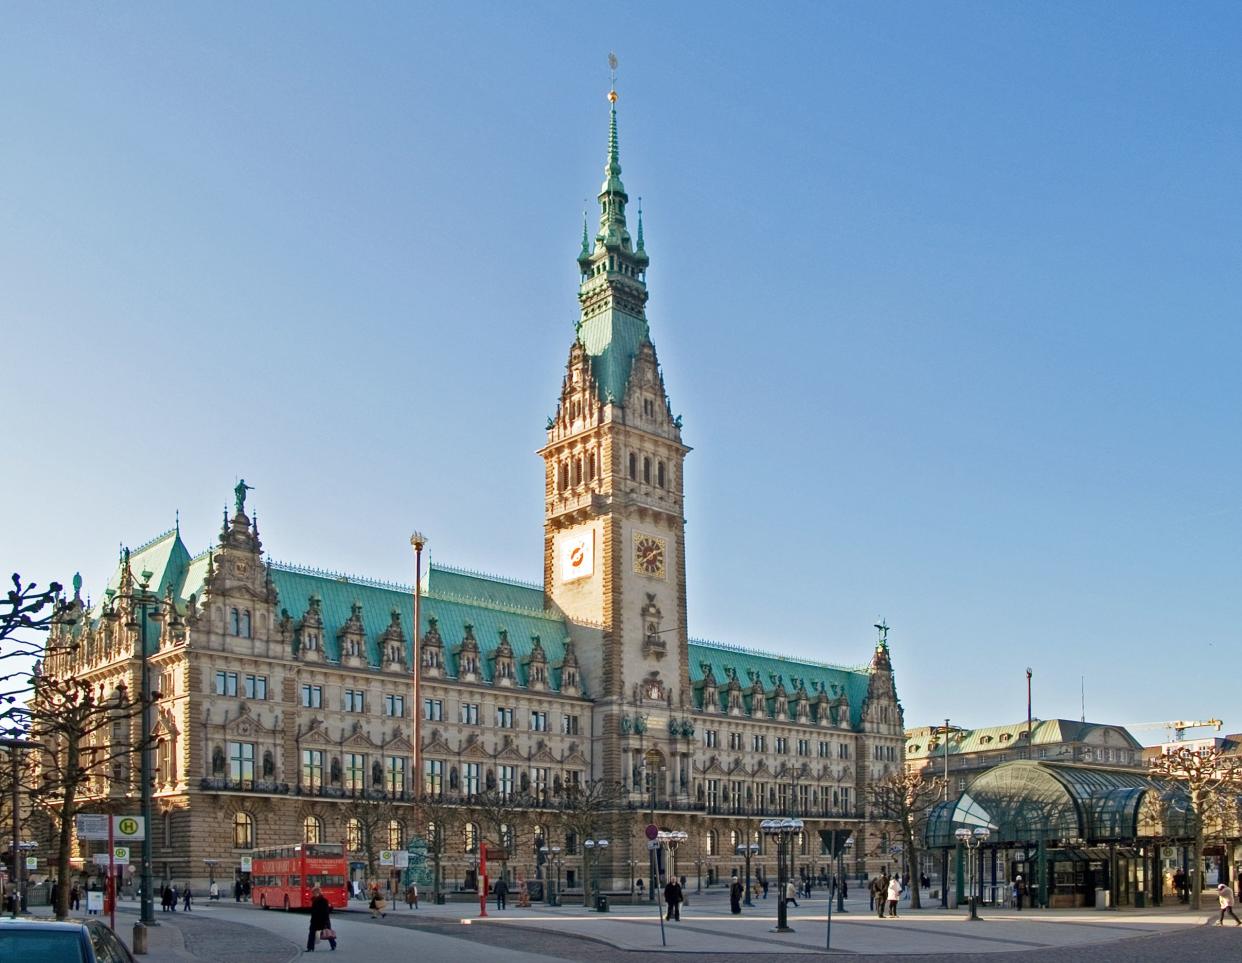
x=1179, y=726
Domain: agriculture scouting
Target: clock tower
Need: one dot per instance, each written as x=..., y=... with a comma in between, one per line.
x=614, y=531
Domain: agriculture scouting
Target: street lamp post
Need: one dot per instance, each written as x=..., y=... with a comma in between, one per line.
x=782, y=831
x=556, y=869
x=972, y=840
x=15, y=746
x=595, y=849
x=143, y=600
x=849, y=845
x=747, y=850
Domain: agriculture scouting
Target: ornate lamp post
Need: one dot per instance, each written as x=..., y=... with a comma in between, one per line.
x=972, y=840
x=747, y=850
x=847, y=847
x=782, y=832
x=595, y=849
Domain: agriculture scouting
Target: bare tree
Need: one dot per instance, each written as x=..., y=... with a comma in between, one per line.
x=904, y=799
x=586, y=809
x=501, y=817
x=440, y=820
x=372, y=815
x=1213, y=782
x=26, y=613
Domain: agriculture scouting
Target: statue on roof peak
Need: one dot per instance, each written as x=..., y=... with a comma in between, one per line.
x=239, y=495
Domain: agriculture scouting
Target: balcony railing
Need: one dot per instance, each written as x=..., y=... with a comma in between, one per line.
x=222, y=784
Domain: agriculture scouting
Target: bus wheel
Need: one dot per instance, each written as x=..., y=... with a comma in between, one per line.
x=263, y=901
x=286, y=904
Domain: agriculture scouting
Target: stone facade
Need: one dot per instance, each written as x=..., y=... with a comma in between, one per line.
x=286, y=694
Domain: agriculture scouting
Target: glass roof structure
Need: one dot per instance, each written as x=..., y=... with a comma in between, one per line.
x=1028, y=802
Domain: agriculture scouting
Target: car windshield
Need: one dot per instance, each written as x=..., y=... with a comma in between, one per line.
x=41, y=946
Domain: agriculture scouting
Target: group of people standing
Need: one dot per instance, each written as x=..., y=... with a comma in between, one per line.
x=170, y=896
x=885, y=892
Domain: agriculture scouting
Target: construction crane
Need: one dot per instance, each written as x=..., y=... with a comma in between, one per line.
x=1179, y=726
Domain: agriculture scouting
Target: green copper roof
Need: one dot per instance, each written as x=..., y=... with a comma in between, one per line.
x=452, y=597
x=834, y=679
x=612, y=339
x=923, y=742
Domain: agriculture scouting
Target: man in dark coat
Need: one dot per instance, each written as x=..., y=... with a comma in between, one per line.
x=672, y=896
x=735, y=896
x=879, y=892
x=501, y=890
x=320, y=920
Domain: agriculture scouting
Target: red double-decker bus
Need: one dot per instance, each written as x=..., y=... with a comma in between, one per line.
x=284, y=877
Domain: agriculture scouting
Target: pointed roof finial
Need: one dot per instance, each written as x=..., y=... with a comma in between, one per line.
x=177, y=525
x=586, y=244
x=640, y=224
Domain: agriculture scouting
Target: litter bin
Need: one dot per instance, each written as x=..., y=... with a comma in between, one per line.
x=1101, y=899
x=601, y=904
x=439, y=899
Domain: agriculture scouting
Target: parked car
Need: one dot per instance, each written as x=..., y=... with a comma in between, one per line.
x=46, y=941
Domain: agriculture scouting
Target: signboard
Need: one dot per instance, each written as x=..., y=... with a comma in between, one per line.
x=94, y=901
x=95, y=826
x=120, y=855
x=246, y=863
x=652, y=831
x=385, y=857
x=32, y=862
x=576, y=552
x=400, y=859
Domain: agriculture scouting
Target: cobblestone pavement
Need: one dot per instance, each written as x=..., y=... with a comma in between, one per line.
x=214, y=940
x=1193, y=944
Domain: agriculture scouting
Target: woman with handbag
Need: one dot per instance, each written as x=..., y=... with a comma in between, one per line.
x=320, y=921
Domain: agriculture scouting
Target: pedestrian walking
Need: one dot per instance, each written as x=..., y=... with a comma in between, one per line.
x=501, y=889
x=1225, y=895
x=75, y=897
x=411, y=896
x=377, y=904
x=735, y=896
x=1019, y=890
x=1179, y=884
x=320, y=921
x=185, y=898
x=213, y=891
x=763, y=881
x=894, y=894
x=791, y=893
x=672, y=899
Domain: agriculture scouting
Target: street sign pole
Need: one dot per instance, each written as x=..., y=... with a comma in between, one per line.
x=110, y=889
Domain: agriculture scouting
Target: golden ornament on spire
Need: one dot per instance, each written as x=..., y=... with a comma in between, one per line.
x=612, y=74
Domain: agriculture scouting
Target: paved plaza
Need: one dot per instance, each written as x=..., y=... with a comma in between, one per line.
x=628, y=933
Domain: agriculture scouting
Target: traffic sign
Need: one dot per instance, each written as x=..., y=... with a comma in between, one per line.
x=246, y=862
x=385, y=857
x=120, y=855
x=95, y=826
x=32, y=862
x=400, y=859
x=652, y=830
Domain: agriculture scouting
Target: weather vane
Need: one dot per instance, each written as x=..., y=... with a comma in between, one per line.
x=612, y=76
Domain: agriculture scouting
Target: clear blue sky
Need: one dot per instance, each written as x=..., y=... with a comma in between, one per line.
x=948, y=296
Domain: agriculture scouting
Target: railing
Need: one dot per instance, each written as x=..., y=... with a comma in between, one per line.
x=222, y=784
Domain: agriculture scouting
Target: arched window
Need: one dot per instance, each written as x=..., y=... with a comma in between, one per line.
x=733, y=843
x=396, y=834
x=235, y=621
x=245, y=624
x=578, y=471
x=709, y=842
x=243, y=831
x=646, y=470
x=312, y=830
x=633, y=467
x=353, y=835
x=660, y=474
x=506, y=837
x=470, y=837
x=591, y=467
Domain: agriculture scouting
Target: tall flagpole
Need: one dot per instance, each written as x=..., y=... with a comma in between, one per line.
x=418, y=540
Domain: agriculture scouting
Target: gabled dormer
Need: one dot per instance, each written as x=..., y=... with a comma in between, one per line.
x=504, y=671
x=353, y=639
x=309, y=632
x=536, y=666
x=570, y=684
x=758, y=699
x=432, y=650
x=392, y=643
x=468, y=667
x=780, y=698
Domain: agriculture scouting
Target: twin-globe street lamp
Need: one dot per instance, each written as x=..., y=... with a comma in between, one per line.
x=782, y=831
x=552, y=856
x=972, y=839
x=595, y=846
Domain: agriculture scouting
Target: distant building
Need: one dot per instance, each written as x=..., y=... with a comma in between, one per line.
x=973, y=751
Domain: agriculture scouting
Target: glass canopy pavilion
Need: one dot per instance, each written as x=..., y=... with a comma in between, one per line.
x=1072, y=832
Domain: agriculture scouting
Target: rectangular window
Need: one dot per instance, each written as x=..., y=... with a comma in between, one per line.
x=241, y=761
x=469, y=713
x=711, y=738
x=539, y=779
x=226, y=683
x=312, y=697
x=759, y=743
x=845, y=799
x=433, y=710
x=735, y=740
x=825, y=749
x=354, y=700
x=782, y=745
x=355, y=772
x=843, y=750
x=394, y=774
x=713, y=793
x=804, y=747
x=433, y=777
x=507, y=776
x=538, y=721
x=312, y=767
x=504, y=718
x=569, y=725
x=394, y=705
x=255, y=687
x=470, y=778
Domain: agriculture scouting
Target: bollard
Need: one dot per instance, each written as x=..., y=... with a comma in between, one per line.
x=140, y=939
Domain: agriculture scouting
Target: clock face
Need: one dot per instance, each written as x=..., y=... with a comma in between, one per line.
x=649, y=555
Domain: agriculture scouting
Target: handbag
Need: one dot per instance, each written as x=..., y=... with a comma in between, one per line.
x=328, y=934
